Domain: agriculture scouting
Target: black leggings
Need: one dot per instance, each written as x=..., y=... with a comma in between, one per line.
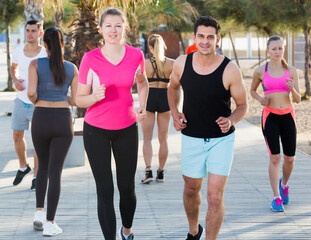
x=276, y=126
x=52, y=134
x=124, y=144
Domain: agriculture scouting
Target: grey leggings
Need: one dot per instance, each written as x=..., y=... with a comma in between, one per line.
x=52, y=134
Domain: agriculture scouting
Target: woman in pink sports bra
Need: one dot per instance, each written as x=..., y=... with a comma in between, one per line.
x=106, y=77
x=279, y=81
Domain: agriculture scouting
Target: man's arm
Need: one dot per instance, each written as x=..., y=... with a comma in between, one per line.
x=18, y=82
x=174, y=93
x=233, y=79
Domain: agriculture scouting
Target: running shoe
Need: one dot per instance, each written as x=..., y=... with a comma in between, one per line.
x=148, y=177
x=277, y=205
x=130, y=237
x=284, y=193
x=51, y=229
x=198, y=236
x=38, y=219
x=160, y=176
x=33, y=185
x=20, y=175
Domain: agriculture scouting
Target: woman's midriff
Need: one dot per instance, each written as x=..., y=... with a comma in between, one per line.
x=279, y=100
x=158, y=84
x=59, y=104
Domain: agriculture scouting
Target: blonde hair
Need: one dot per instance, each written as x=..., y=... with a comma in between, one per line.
x=277, y=38
x=159, y=47
x=116, y=12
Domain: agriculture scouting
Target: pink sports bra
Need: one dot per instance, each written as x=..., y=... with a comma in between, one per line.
x=272, y=85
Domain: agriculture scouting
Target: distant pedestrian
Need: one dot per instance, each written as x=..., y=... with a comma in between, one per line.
x=208, y=81
x=18, y=44
x=52, y=130
x=23, y=107
x=279, y=81
x=219, y=50
x=158, y=69
x=106, y=78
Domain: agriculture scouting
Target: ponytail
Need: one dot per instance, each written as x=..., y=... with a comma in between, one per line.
x=284, y=64
x=54, y=39
x=158, y=45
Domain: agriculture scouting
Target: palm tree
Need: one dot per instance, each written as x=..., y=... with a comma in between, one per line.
x=34, y=10
x=178, y=15
x=85, y=35
x=57, y=7
x=10, y=14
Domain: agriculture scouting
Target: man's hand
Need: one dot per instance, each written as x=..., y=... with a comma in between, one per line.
x=179, y=121
x=18, y=84
x=224, y=124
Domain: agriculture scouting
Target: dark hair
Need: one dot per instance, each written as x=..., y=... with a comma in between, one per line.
x=53, y=37
x=277, y=38
x=207, y=21
x=35, y=22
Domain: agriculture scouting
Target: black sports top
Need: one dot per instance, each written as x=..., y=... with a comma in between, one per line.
x=156, y=72
x=205, y=100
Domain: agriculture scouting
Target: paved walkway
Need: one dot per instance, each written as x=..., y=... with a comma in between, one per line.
x=160, y=214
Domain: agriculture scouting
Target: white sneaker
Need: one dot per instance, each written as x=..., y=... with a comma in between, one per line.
x=38, y=219
x=51, y=229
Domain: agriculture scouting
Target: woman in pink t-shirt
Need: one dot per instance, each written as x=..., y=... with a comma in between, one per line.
x=110, y=120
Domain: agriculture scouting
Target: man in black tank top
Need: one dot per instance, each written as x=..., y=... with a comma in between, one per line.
x=208, y=80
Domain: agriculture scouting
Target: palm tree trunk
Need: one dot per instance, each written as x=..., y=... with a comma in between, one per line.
x=181, y=41
x=58, y=17
x=306, y=30
x=34, y=10
x=234, y=51
x=10, y=84
x=258, y=48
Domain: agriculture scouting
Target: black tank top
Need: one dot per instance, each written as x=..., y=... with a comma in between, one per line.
x=205, y=100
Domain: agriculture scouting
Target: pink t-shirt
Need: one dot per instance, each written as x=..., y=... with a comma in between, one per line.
x=116, y=111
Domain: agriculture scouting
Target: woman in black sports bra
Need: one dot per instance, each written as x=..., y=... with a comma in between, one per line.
x=158, y=69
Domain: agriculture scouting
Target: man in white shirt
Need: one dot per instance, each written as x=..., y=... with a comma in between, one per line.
x=23, y=108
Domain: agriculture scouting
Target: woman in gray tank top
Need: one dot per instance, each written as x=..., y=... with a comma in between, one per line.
x=52, y=130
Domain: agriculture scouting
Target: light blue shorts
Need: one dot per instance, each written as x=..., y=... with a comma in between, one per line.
x=200, y=156
x=22, y=115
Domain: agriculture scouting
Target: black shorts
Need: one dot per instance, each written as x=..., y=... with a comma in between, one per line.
x=157, y=100
x=278, y=124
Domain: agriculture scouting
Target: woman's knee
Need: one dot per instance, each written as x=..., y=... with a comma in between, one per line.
x=163, y=141
x=275, y=159
x=289, y=160
x=126, y=188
